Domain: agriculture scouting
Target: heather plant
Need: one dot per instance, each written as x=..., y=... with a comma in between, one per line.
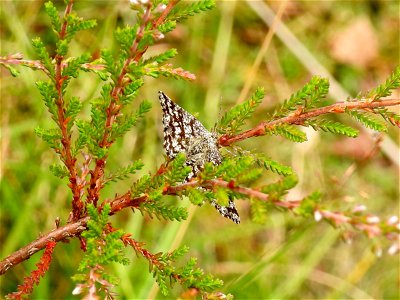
x=84, y=134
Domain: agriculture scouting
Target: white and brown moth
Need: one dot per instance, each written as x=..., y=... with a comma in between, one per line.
x=184, y=133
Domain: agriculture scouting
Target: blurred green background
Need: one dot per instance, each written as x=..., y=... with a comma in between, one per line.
x=288, y=257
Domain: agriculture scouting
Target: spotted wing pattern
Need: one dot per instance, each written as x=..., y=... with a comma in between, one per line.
x=184, y=133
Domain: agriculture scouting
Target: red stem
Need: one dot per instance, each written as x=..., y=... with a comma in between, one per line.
x=298, y=118
x=66, y=153
x=96, y=180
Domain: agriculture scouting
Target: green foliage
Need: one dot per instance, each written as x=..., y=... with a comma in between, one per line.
x=368, y=119
x=196, y=196
x=183, y=12
x=209, y=171
x=141, y=185
x=86, y=131
x=74, y=106
x=188, y=275
x=333, y=127
x=161, y=211
x=385, y=89
x=234, y=119
x=75, y=64
x=154, y=186
x=308, y=97
x=50, y=96
x=130, y=91
x=52, y=12
x=59, y=171
x=124, y=124
x=44, y=56
x=221, y=195
x=13, y=71
x=98, y=118
x=71, y=24
x=151, y=186
x=233, y=167
x=51, y=136
x=103, y=247
x=111, y=66
x=273, y=166
x=250, y=175
x=278, y=189
x=177, y=171
x=290, y=132
x=124, y=173
x=308, y=205
x=167, y=26
x=162, y=57
x=259, y=211
x=76, y=24
x=62, y=47
x=149, y=38
x=125, y=37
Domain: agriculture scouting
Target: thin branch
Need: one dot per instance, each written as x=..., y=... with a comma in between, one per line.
x=56, y=235
x=17, y=59
x=66, y=152
x=370, y=224
x=298, y=118
x=96, y=180
x=251, y=193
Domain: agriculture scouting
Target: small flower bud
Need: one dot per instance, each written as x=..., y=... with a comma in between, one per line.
x=373, y=219
x=393, y=220
x=378, y=252
x=137, y=4
x=317, y=215
x=77, y=290
x=359, y=208
x=393, y=249
x=160, y=8
x=158, y=36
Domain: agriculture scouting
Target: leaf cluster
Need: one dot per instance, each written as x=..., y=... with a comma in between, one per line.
x=189, y=276
x=385, y=89
x=308, y=204
x=242, y=169
x=103, y=247
x=276, y=192
x=154, y=187
x=307, y=97
x=234, y=119
x=183, y=12
x=310, y=97
x=377, y=118
x=124, y=172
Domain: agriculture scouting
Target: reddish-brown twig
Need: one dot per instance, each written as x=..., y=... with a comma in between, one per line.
x=364, y=224
x=299, y=117
x=96, y=180
x=56, y=235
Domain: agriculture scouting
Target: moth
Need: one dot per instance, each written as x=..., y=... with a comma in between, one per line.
x=184, y=133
